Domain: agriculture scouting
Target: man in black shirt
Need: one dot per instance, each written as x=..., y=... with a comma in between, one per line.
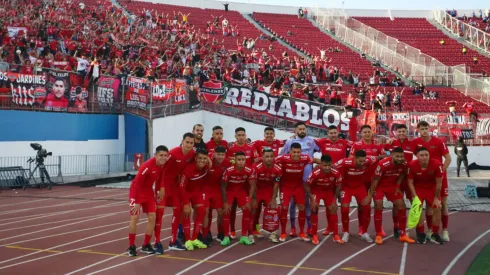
x=198, y=131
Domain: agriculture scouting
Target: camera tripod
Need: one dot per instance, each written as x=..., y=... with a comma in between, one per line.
x=42, y=172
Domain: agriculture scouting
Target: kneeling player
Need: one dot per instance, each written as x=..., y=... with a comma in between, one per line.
x=425, y=181
x=238, y=183
x=388, y=177
x=322, y=185
x=193, y=196
x=268, y=177
x=141, y=197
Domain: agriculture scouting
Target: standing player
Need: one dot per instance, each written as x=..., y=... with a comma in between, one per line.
x=192, y=195
x=425, y=181
x=141, y=197
x=371, y=148
x=353, y=172
x=213, y=192
x=216, y=139
x=268, y=141
x=336, y=148
x=308, y=147
x=437, y=150
x=179, y=158
x=268, y=178
x=322, y=184
x=388, y=177
x=238, y=184
x=198, y=131
x=292, y=187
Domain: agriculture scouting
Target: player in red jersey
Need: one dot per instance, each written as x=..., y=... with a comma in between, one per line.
x=216, y=139
x=268, y=176
x=336, y=148
x=240, y=145
x=191, y=187
x=238, y=184
x=322, y=184
x=269, y=141
x=353, y=172
x=179, y=158
x=293, y=166
x=437, y=150
x=372, y=148
x=213, y=192
x=141, y=197
x=401, y=141
x=388, y=177
x=425, y=181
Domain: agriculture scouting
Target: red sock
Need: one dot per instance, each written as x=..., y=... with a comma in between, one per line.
x=158, y=224
x=258, y=211
x=245, y=221
x=428, y=219
x=233, y=216
x=420, y=229
x=201, y=212
x=314, y=222
x=334, y=223
x=210, y=221
x=344, y=212
x=186, y=223
x=435, y=229
x=283, y=215
x=147, y=239
x=251, y=223
x=329, y=223
x=445, y=221
x=132, y=239
x=219, y=226
x=394, y=215
x=378, y=221
x=302, y=221
x=402, y=220
x=366, y=213
x=359, y=215
x=226, y=224
x=175, y=223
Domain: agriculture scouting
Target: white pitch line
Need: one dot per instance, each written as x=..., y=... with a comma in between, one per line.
x=94, y=264
x=312, y=251
x=404, y=259
x=460, y=254
x=114, y=266
x=39, y=224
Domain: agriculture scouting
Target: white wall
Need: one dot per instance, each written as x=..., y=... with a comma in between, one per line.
x=478, y=154
x=68, y=148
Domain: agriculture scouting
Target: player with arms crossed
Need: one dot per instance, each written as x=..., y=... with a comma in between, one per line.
x=437, y=150
x=268, y=178
x=336, y=148
x=269, y=141
x=192, y=194
x=238, y=183
x=324, y=184
x=354, y=172
x=388, y=176
x=425, y=181
x=141, y=197
x=179, y=158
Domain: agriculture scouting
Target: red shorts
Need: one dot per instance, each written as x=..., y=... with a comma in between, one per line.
x=328, y=197
x=360, y=193
x=445, y=186
x=427, y=195
x=171, y=199
x=389, y=192
x=264, y=196
x=241, y=197
x=149, y=206
x=198, y=198
x=298, y=194
x=214, y=199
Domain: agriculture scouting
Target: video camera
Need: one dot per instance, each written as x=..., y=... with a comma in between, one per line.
x=41, y=153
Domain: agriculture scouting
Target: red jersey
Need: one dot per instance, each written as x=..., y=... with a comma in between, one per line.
x=293, y=170
x=259, y=145
x=142, y=185
x=53, y=102
x=175, y=164
x=236, y=179
x=352, y=176
x=246, y=148
x=321, y=181
x=437, y=148
x=191, y=180
x=211, y=145
x=407, y=146
x=388, y=173
x=267, y=177
x=372, y=149
x=215, y=173
x=425, y=178
x=337, y=150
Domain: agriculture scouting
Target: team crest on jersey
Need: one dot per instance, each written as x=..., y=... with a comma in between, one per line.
x=332, y=178
x=245, y=177
x=248, y=152
x=432, y=147
x=189, y=160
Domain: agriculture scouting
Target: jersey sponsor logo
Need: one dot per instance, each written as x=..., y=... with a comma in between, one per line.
x=294, y=170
